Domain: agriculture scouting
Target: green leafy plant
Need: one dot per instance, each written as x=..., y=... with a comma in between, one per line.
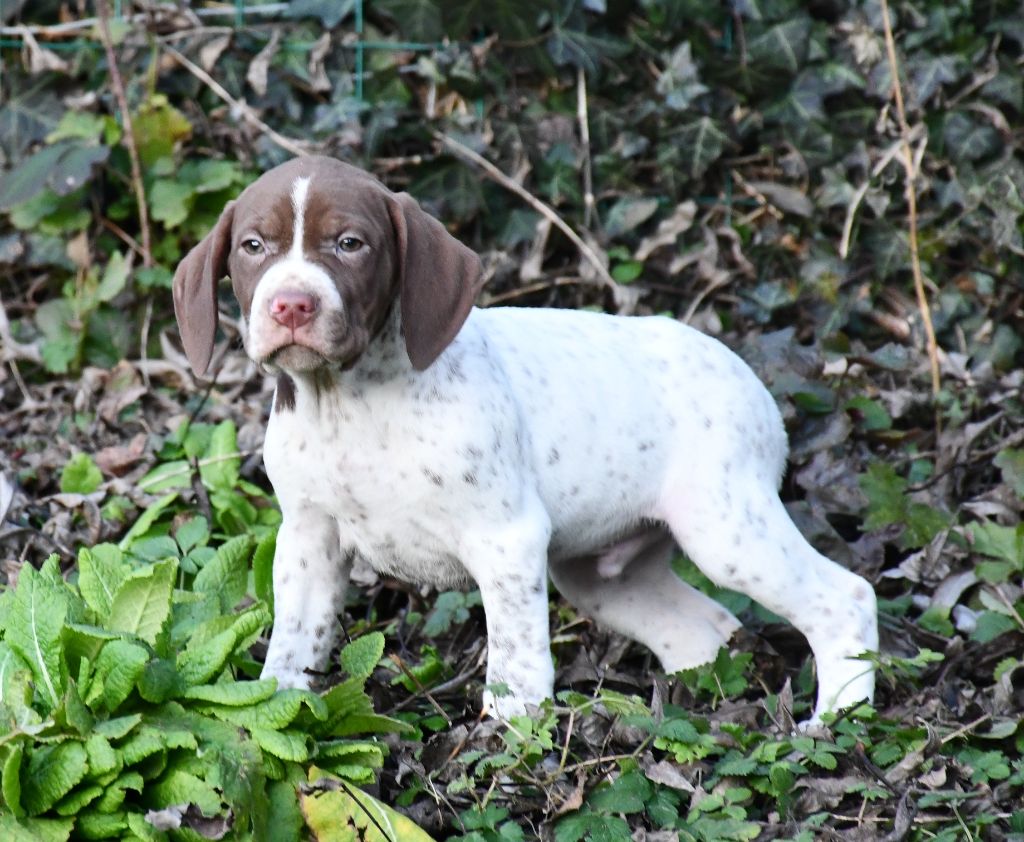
x=122, y=711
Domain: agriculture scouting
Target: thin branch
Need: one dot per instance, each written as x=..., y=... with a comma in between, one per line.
x=74, y=27
x=911, y=176
x=589, y=203
x=625, y=298
x=117, y=83
x=296, y=147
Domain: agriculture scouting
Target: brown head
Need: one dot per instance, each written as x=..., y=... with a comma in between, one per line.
x=317, y=252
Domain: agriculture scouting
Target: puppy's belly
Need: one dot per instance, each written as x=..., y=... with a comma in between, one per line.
x=412, y=554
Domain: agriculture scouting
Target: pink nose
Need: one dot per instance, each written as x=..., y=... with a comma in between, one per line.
x=293, y=309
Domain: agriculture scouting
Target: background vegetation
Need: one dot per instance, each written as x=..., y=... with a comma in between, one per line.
x=743, y=166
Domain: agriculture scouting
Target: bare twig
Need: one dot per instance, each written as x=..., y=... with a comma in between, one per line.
x=75, y=27
x=625, y=298
x=296, y=147
x=589, y=203
x=10, y=348
x=117, y=84
x=911, y=190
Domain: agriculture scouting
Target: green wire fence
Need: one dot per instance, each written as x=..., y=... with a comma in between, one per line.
x=13, y=37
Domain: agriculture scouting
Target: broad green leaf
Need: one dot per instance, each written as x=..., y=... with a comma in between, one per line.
x=263, y=569
x=115, y=793
x=233, y=693
x=77, y=800
x=103, y=759
x=82, y=125
x=286, y=745
x=152, y=514
x=33, y=623
x=73, y=712
x=142, y=604
x=29, y=178
x=210, y=176
x=180, y=787
x=115, y=277
x=50, y=774
x=192, y=533
x=227, y=575
x=160, y=681
x=285, y=818
x=80, y=475
x=118, y=727
x=92, y=824
x=996, y=541
x=142, y=743
x=175, y=474
x=359, y=658
x=171, y=201
x=200, y=664
x=118, y=668
x=101, y=572
x=627, y=794
x=221, y=463
x=344, y=814
x=15, y=681
x=10, y=778
x=157, y=127
x=35, y=830
x=276, y=713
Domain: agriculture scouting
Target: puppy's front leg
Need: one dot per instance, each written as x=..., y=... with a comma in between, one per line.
x=509, y=564
x=310, y=577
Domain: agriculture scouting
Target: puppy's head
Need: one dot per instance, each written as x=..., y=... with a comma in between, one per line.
x=317, y=251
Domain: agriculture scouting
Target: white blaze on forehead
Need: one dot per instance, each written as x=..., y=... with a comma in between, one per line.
x=300, y=190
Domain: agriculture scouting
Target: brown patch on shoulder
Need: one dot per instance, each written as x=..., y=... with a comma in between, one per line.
x=284, y=397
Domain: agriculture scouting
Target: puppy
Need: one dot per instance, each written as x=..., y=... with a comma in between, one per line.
x=444, y=444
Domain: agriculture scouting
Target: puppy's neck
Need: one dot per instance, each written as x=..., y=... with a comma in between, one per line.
x=385, y=360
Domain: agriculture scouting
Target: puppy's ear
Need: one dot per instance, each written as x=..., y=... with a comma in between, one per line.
x=439, y=278
x=195, y=291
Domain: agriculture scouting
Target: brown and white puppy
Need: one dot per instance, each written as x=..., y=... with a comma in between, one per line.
x=443, y=443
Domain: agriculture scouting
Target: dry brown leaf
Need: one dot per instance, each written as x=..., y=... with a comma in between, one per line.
x=256, y=75
x=669, y=229
x=117, y=460
x=211, y=51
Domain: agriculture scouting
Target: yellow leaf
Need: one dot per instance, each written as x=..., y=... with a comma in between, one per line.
x=350, y=815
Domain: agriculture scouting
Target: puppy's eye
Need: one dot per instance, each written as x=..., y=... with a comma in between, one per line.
x=349, y=244
x=252, y=246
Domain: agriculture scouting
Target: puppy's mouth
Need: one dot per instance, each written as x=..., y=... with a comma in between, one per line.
x=297, y=358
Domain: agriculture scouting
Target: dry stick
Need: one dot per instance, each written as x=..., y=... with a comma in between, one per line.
x=584, y=120
x=624, y=299
x=117, y=83
x=908, y=165
x=288, y=144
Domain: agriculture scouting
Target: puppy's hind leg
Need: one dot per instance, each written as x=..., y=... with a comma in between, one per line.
x=632, y=589
x=742, y=538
